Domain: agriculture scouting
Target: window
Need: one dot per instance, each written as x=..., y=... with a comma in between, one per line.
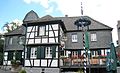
x=41, y=31
x=74, y=37
x=20, y=40
x=48, y=53
x=93, y=37
x=95, y=53
x=74, y=53
x=10, y=40
x=33, y=52
x=10, y=55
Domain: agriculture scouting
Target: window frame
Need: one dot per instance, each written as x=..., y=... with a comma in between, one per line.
x=33, y=53
x=39, y=32
x=93, y=37
x=48, y=52
x=10, y=41
x=74, y=38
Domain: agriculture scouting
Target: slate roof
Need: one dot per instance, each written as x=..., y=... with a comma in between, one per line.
x=18, y=31
x=68, y=21
x=32, y=17
x=95, y=25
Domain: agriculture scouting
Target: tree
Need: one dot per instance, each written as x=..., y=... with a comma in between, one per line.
x=8, y=27
x=1, y=48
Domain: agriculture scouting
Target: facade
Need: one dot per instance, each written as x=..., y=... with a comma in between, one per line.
x=118, y=42
x=13, y=45
x=53, y=44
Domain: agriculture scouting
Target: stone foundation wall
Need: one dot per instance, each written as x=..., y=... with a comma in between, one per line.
x=42, y=70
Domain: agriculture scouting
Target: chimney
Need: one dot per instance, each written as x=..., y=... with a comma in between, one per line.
x=66, y=15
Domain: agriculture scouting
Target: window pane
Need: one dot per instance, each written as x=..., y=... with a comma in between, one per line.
x=10, y=40
x=93, y=37
x=10, y=55
x=41, y=30
x=33, y=52
x=48, y=53
x=74, y=37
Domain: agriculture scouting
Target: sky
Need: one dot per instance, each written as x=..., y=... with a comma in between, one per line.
x=104, y=11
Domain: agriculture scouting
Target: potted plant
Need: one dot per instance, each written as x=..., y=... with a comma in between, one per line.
x=80, y=71
x=15, y=63
x=15, y=66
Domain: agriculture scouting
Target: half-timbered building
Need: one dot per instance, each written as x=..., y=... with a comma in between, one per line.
x=53, y=44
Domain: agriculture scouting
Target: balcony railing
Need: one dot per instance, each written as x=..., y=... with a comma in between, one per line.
x=78, y=61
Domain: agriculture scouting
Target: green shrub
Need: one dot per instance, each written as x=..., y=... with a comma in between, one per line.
x=22, y=71
x=80, y=71
x=15, y=63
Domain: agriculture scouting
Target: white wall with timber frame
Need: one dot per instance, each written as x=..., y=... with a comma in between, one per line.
x=42, y=45
x=42, y=34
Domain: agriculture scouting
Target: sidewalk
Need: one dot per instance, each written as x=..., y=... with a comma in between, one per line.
x=2, y=70
x=5, y=71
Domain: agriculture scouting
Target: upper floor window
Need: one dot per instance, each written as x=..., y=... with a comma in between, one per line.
x=20, y=40
x=10, y=40
x=93, y=37
x=41, y=30
x=74, y=38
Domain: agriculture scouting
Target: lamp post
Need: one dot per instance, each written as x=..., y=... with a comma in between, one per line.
x=84, y=22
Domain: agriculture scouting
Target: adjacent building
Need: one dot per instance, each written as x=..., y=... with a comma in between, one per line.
x=53, y=44
x=118, y=42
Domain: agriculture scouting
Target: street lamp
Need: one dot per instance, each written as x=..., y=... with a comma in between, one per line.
x=84, y=22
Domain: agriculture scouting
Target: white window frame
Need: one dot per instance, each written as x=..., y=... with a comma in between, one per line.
x=48, y=52
x=33, y=52
x=93, y=37
x=41, y=30
x=75, y=53
x=74, y=38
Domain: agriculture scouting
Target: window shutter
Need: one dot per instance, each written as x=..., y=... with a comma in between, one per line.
x=79, y=53
x=53, y=51
x=18, y=55
x=42, y=52
x=10, y=55
x=38, y=52
x=28, y=52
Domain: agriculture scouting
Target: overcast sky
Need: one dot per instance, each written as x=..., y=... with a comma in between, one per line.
x=104, y=11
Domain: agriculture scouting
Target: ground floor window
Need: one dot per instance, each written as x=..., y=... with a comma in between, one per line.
x=10, y=55
x=42, y=52
x=33, y=52
x=17, y=55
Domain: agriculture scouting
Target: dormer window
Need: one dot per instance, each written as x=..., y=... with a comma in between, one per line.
x=41, y=30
